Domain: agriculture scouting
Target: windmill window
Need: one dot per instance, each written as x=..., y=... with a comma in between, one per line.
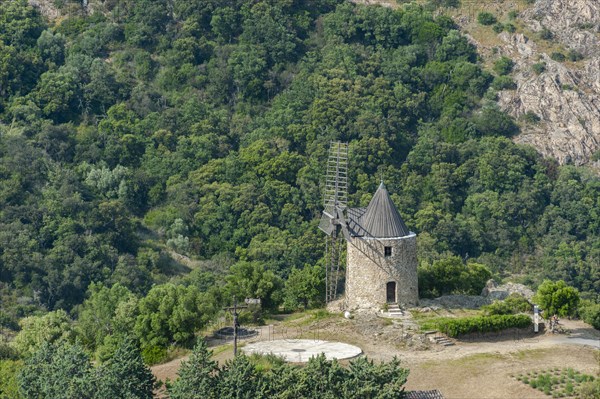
x=387, y=251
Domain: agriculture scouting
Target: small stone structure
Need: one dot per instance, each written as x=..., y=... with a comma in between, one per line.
x=381, y=257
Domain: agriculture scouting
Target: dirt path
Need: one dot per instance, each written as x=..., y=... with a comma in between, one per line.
x=458, y=371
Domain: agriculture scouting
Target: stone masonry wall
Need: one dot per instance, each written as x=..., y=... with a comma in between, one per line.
x=366, y=281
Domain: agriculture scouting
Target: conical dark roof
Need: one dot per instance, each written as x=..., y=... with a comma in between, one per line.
x=381, y=218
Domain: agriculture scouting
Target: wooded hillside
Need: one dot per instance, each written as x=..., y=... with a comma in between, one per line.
x=201, y=129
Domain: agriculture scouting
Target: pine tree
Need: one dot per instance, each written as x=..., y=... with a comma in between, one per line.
x=125, y=375
x=196, y=375
x=239, y=379
x=57, y=371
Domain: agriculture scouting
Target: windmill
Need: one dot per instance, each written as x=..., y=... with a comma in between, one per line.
x=342, y=224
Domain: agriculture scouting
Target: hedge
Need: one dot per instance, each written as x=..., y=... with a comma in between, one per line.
x=455, y=327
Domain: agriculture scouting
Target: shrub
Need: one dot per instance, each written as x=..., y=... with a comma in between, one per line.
x=503, y=83
x=154, y=354
x=510, y=28
x=486, y=18
x=586, y=25
x=498, y=27
x=590, y=313
x=512, y=15
x=546, y=34
x=515, y=303
x=482, y=324
x=503, y=65
x=558, y=56
x=530, y=117
x=539, y=67
x=574, y=55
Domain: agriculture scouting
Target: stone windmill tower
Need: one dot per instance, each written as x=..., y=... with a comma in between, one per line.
x=381, y=252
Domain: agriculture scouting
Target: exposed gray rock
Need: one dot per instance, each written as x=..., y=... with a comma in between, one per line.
x=566, y=96
x=566, y=100
x=493, y=291
x=47, y=8
x=575, y=23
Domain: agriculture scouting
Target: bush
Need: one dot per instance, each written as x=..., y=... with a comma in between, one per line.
x=486, y=18
x=498, y=27
x=546, y=34
x=539, y=67
x=512, y=15
x=504, y=83
x=510, y=28
x=154, y=354
x=590, y=390
x=574, y=55
x=515, y=303
x=503, y=66
x=481, y=324
x=558, y=56
x=590, y=313
x=530, y=117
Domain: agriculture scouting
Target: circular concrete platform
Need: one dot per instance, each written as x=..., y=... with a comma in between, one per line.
x=300, y=350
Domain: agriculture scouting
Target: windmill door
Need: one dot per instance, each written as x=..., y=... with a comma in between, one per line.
x=391, y=292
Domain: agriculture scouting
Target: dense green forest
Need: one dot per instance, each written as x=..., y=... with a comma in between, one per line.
x=152, y=130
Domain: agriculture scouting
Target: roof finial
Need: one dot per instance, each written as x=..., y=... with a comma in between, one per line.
x=381, y=180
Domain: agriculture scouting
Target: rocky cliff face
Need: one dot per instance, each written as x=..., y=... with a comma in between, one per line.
x=566, y=100
x=565, y=96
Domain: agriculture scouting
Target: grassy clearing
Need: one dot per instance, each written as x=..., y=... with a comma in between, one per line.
x=309, y=317
x=555, y=382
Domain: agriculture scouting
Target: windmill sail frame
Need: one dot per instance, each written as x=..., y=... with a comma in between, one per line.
x=335, y=202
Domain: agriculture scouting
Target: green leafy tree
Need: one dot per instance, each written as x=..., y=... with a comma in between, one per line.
x=52, y=46
x=98, y=314
x=305, y=287
x=171, y=314
x=58, y=93
x=452, y=276
x=37, y=330
x=20, y=23
x=556, y=297
x=253, y=280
